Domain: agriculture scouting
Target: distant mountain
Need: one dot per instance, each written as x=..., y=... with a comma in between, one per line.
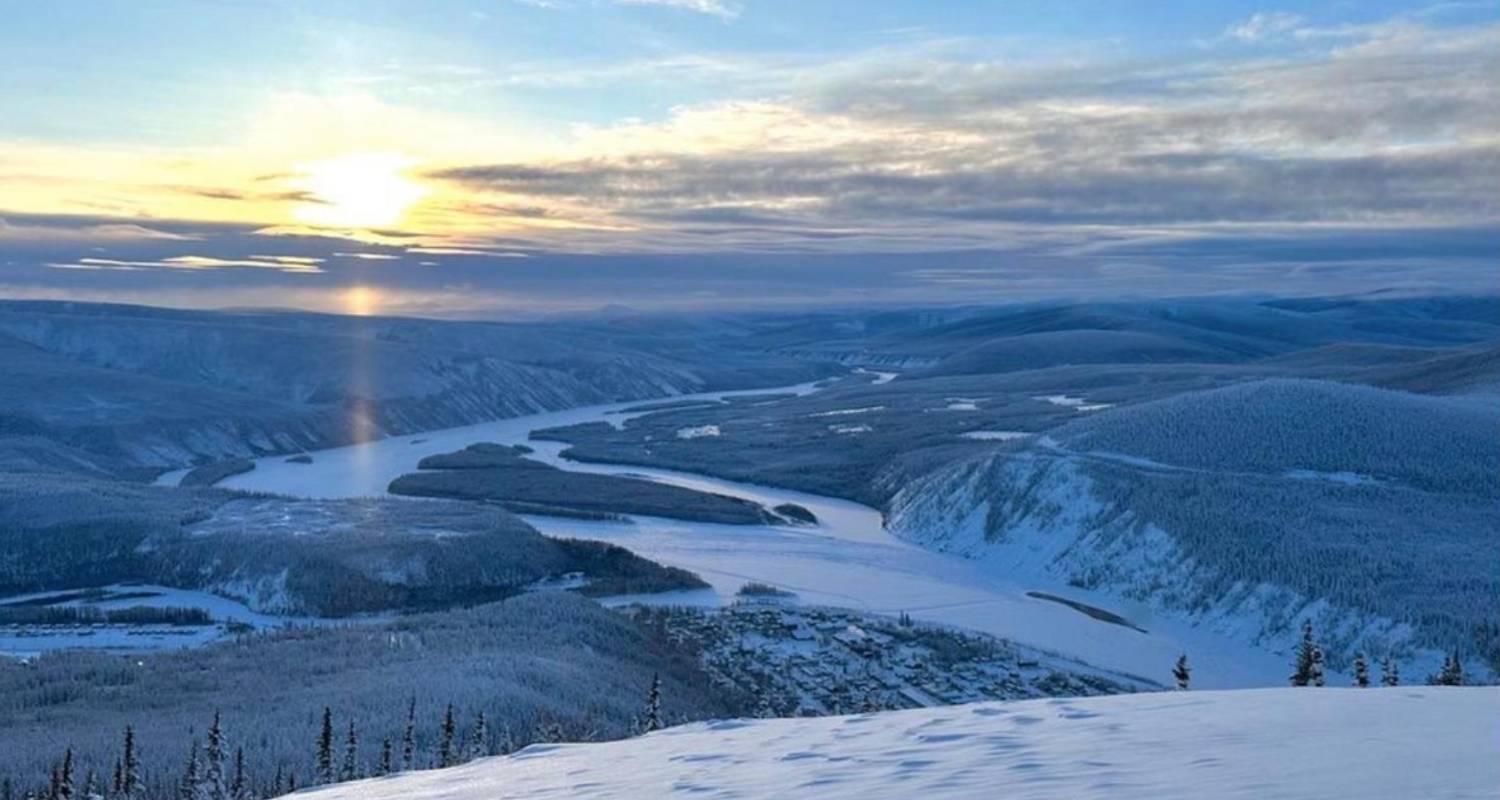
x=976, y=340
x=128, y=385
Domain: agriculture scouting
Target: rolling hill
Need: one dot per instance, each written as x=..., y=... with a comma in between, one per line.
x=158, y=388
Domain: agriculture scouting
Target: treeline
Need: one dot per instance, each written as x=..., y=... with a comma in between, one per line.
x=215, y=768
x=92, y=615
x=1309, y=667
x=548, y=661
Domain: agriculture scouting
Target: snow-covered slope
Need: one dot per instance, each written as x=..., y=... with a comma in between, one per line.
x=1248, y=509
x=1278, y=743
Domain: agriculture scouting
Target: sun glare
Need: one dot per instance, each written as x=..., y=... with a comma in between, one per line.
x=367, y=190
x=361, y=301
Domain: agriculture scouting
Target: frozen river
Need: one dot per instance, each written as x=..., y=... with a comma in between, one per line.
x=848, y=560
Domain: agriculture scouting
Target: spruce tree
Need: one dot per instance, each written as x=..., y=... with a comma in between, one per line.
x=1302, y=671
x=1361, y=671
x=238, y=788
x=91, y=787
x=325, y=748
x=479, y=739
x=189, y=788
x=445, y=745
x=652, y=721
x=117, y=784
x=409, y=737
x=214, y=785
x=65, y=777
x=350, y=769
x=1390, y=674
x=1182, y=672
x=276, y=782
x=1453, y=671
x=1316, y=673
x=507, y=743
x=131, y=785
x=384, y=766
x=548, y=732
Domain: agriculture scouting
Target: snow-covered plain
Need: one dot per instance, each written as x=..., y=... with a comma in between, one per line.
x=1375, y=744
x=848, y=560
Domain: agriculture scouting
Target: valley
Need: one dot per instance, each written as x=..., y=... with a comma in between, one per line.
x=848, y=559
x=814, y=536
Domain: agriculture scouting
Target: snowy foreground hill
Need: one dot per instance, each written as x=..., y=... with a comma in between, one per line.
x=1417, y=742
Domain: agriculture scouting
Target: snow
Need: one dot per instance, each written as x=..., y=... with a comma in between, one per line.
x=880, y=377
x=1376, y=744
x=848, y=560
x=850, y=428
x=846, y=411
x=994, y=436
x=1075, y=403
x=698, y=432
x=1342, y=476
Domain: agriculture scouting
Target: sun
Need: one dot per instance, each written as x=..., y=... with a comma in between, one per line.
x=365, y=190
x=361, y=301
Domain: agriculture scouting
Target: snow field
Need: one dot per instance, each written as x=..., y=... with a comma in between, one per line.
x=1374, y=744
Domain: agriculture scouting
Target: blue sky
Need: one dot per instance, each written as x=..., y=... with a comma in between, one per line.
x=515, y=157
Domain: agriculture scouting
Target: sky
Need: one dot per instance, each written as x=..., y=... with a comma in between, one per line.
x=501, y=158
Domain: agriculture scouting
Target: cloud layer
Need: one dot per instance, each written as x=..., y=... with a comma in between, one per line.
x=1274, y=154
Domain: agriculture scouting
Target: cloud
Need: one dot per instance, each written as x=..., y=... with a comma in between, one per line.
x=717, y=8
x=277, y=263
x=84, y=230
x=1264, y=25
x=464, y=251
x=1395, y=129
x=897, y=173
x=369, y=256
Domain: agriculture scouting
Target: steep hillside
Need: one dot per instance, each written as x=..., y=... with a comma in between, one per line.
x=1249, y=508
x=1287, y=744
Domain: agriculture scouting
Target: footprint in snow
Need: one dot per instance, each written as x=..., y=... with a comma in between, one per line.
x=939, y=738
x=800, y=755
x=697, y=757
